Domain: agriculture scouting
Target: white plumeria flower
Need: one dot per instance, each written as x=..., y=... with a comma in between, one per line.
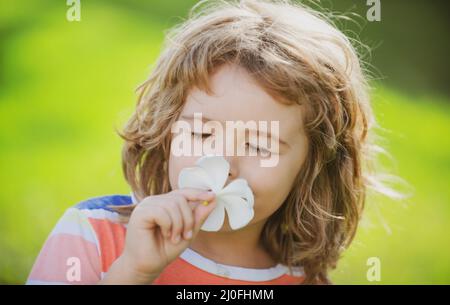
x=211, y=173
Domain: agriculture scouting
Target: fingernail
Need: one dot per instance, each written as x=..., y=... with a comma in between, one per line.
x=176, y=239
x=205, y=203
x=188, y=234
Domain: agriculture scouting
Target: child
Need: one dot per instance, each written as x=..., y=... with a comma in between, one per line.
x=232, y=61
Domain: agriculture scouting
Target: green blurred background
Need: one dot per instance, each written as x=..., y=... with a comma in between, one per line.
x=65, y=86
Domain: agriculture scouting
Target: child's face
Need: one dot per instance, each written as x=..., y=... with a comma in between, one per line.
x=238, y=98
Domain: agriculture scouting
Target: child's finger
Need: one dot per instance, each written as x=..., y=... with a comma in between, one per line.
x=188, y=219
x=177, y=221
x=192, y=194
x=202, y=212
x=165, y=223
x=157, y=216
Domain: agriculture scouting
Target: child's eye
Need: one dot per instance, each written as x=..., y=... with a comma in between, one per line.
x=259, y=150
x=200, y=135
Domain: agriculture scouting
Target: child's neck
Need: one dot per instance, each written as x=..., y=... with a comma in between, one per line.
x=237, y=248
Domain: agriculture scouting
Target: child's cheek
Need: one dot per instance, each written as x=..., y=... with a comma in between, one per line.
x=274, y=183
x=264, y=183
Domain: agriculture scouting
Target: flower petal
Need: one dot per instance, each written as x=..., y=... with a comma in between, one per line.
x=239, y=212
x=217, y=169
x=194, y=177
x=239, y=187
x=215, y=219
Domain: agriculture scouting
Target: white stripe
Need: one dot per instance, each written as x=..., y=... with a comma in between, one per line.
x=74, y=223
x=133, y=198
x=297, y=271
x=37, y=282
x=101, y=214
x=83, y=217
x=234, y=272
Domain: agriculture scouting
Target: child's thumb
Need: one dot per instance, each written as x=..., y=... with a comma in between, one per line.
x=202, y=212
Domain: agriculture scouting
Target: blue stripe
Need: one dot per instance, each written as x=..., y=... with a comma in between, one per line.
x=103, y=202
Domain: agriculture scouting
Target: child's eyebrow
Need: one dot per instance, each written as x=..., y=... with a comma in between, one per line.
x=268, y=134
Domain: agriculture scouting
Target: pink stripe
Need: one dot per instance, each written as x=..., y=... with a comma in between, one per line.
x=60, y=255
x=111, y=239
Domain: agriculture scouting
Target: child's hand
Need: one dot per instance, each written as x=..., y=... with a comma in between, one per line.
x=159, y=230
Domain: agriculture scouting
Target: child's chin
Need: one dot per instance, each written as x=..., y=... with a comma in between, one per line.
x=227, y=228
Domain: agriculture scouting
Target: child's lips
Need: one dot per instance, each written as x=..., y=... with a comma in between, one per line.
x=233, y=196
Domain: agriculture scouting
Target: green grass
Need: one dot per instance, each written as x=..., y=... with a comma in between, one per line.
x=65, y=86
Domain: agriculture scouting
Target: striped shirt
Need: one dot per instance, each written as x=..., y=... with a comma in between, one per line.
x=89, y=237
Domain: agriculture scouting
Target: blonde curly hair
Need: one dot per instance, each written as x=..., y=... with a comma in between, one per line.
x=298, y=56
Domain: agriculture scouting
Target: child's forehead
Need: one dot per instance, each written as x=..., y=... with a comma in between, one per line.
x=237, y=96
